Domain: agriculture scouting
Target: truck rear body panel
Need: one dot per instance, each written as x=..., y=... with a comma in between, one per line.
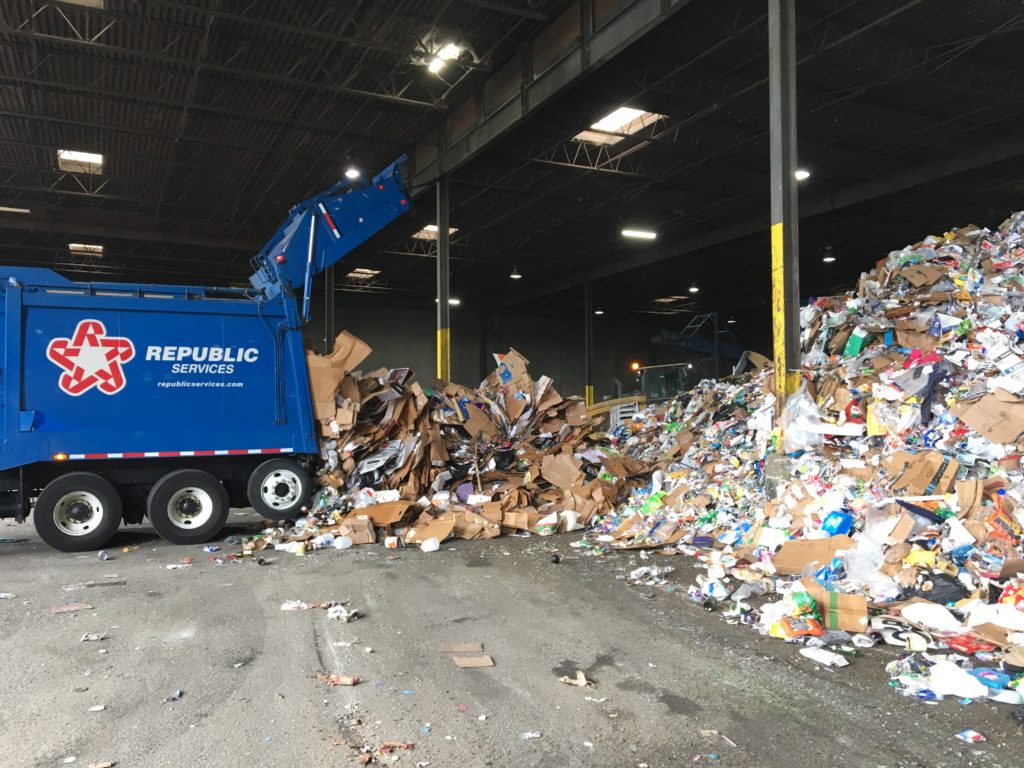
x=134, y=371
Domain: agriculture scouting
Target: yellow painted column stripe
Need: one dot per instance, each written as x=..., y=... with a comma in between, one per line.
x=444, y=352
x=588, y=394
x=786, y=380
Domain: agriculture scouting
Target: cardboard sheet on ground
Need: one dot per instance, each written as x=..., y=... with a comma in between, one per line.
x=473, y=662
x=999, y=416
x=439, y=529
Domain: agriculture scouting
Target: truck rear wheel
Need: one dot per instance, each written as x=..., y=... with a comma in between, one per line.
x=279, y=488
x=77, y=512
x=188, y=506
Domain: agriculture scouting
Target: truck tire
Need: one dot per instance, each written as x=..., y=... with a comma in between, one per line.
x=279, y=489
x=187, y=506
x=77, y=512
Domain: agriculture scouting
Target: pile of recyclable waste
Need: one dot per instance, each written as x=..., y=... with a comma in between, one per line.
x=416, y=465
x=885, y=505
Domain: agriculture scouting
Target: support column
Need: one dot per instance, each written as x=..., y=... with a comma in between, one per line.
x=588, y=343
x=329, y=310
x=444, y=354
x=785, y=220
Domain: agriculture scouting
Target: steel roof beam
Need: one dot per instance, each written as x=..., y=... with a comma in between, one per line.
x=997, y=151
x=588, y=53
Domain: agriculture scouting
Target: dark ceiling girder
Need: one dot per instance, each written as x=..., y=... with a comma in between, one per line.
x=124, y=226
x=634, y=21
x=241, y=74
x=1004, y=149
x=505, y=8
x=149, y=100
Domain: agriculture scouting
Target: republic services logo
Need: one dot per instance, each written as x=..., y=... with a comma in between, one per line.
x=90, y=359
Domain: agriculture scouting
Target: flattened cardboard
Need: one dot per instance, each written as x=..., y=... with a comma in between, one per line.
x=793, y=556
x=926, y=474
x=439, y=529
x=388, y=513
x=562, y=471
x=473, y=662
x=327, y=371
x=838, y=610
x=1011, y=568
x=1001, y=420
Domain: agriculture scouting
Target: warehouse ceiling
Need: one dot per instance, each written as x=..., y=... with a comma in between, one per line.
x=214, y=117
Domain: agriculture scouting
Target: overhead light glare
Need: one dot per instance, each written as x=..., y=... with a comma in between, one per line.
x=731, y=321
x=429, y=232
x=362, y=273
x=9, y=209
x=452, y=301
x=598, y=311
x=668, y=299
x=87, y=248
x=449, y=51
x=352, y=173
x=617, y=125
x=639, y=234
x=634, y=366
x=694, y=289
x=828, y=259
x=515, y=274
x=74, y=161
x=435, y=65
x=801, y=175
x=829, y=255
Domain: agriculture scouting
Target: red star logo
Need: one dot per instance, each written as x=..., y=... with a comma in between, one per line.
x=91, y=359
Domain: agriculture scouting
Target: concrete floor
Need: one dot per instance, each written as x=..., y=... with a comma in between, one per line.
x=665, y=670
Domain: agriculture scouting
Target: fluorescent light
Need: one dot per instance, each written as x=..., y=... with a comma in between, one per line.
x=449, y=51
x=515, y=274
x=828, y=259
x=429, y=232
x=639, y=234
x=79, y=162
x=616, y=125
x=801, y=175
x=731, y=321
x=89, y=248
x=694, y=289
x=352, y=173
x=361, y=273
x=8, y=209
x=452, y=301
x=435, y=65
x=598, y=311
x=829, y=255
x=668, y=299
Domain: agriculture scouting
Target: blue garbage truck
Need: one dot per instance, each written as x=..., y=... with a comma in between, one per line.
x=172, y=402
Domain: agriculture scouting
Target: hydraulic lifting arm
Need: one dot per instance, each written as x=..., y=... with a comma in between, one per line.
x=324, y=229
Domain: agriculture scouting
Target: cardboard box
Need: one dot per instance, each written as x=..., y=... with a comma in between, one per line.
x=838, y=610
x=389, y=513
x=439, y=529
x=360, y=530
x=929, y=473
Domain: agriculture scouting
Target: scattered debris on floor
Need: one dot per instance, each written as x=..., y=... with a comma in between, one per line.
x=579, y=680
x=176, y=696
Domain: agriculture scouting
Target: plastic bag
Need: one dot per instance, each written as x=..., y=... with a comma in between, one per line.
x=801, y=422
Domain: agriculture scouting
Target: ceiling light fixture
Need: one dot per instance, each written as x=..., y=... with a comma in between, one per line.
x=829, y=255
x=639, y=234
x=452, y=301
x=362, y=273
x=352, y=173
x=79, y=162
x=694, y=289
x=515, y=274
x=617, y=125
x=85, y=248
x=731, y=321
x=9, y=209
x=448, y=52
x=801, y=175
x=429, y=232
x=598, y=311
